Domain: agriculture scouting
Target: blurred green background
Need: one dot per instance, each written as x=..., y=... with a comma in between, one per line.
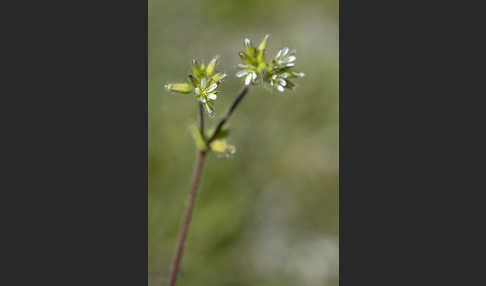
x=269, y=214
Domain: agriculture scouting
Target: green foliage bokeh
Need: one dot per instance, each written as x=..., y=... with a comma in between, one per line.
x=269, y=214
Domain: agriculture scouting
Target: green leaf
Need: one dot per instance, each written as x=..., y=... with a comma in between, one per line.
x=211, y=66
x=179, y=87
x=198, y=139
x=223, y=133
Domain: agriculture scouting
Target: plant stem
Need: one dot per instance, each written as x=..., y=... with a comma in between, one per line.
x=187, y=216
x=201, y=120
x=196, y=179
x=229, y=112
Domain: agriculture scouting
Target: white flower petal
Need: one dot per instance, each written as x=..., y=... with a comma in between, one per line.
x=196, y=90
x=212, y=87
x=300, y=74
x=212, y=96
x=278, y=54
x=203, y=83
x=248, y=79
x=282, y=82
x=242, y=66
x=203, y=100
x=285, y=51
x=290, y=59
x=274, y=76
x=241, y=73
x=284, y=75
x=280, y=88
x=290, y=65
x=254, y=75
x=247, y=41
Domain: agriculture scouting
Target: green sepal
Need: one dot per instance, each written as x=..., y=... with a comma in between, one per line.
x=250, y=51
x=261, y=67
x=209, y=108
x=198, y=139
x=193, y=80
x=289, y=85
x=245, y=58
x=263, y=44
x=218, y=77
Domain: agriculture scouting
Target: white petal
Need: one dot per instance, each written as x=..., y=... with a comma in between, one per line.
x=282, y=82
x=254, y=75
x=285, y=51
x=284, y=75
x=242, y=66
x=274, y=76
x=241, y=73
x=278, y=54
x=203, y=100
x=271, y=82
x=300, y=74
x=247, y=41
x=280, y=88
x=212, y=96
x=290, y=65
x=248, y=79
x=196, y=90
x=212, y=87
x=203, y=83
x=291, y=59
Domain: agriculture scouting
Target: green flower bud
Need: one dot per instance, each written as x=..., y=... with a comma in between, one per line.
x=220, y=146
x=179, y=87
x=211, y=66
x=196, y=70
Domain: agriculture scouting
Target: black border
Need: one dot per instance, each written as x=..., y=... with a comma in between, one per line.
x=76, y=189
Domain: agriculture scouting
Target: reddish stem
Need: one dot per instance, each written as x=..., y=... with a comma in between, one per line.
x=187, y=216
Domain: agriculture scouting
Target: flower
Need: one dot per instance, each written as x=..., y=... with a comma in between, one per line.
x=253, y=59
x=277, y=72
x=206, y=93
x=203, y=82
x=248, y=71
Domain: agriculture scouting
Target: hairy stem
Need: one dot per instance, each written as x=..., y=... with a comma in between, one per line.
x=230, y=110
x=201, y=120
x=187, y=216
x=196, y=179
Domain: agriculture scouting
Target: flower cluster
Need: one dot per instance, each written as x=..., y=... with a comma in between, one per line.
x=203, y=82
x=277, y=72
